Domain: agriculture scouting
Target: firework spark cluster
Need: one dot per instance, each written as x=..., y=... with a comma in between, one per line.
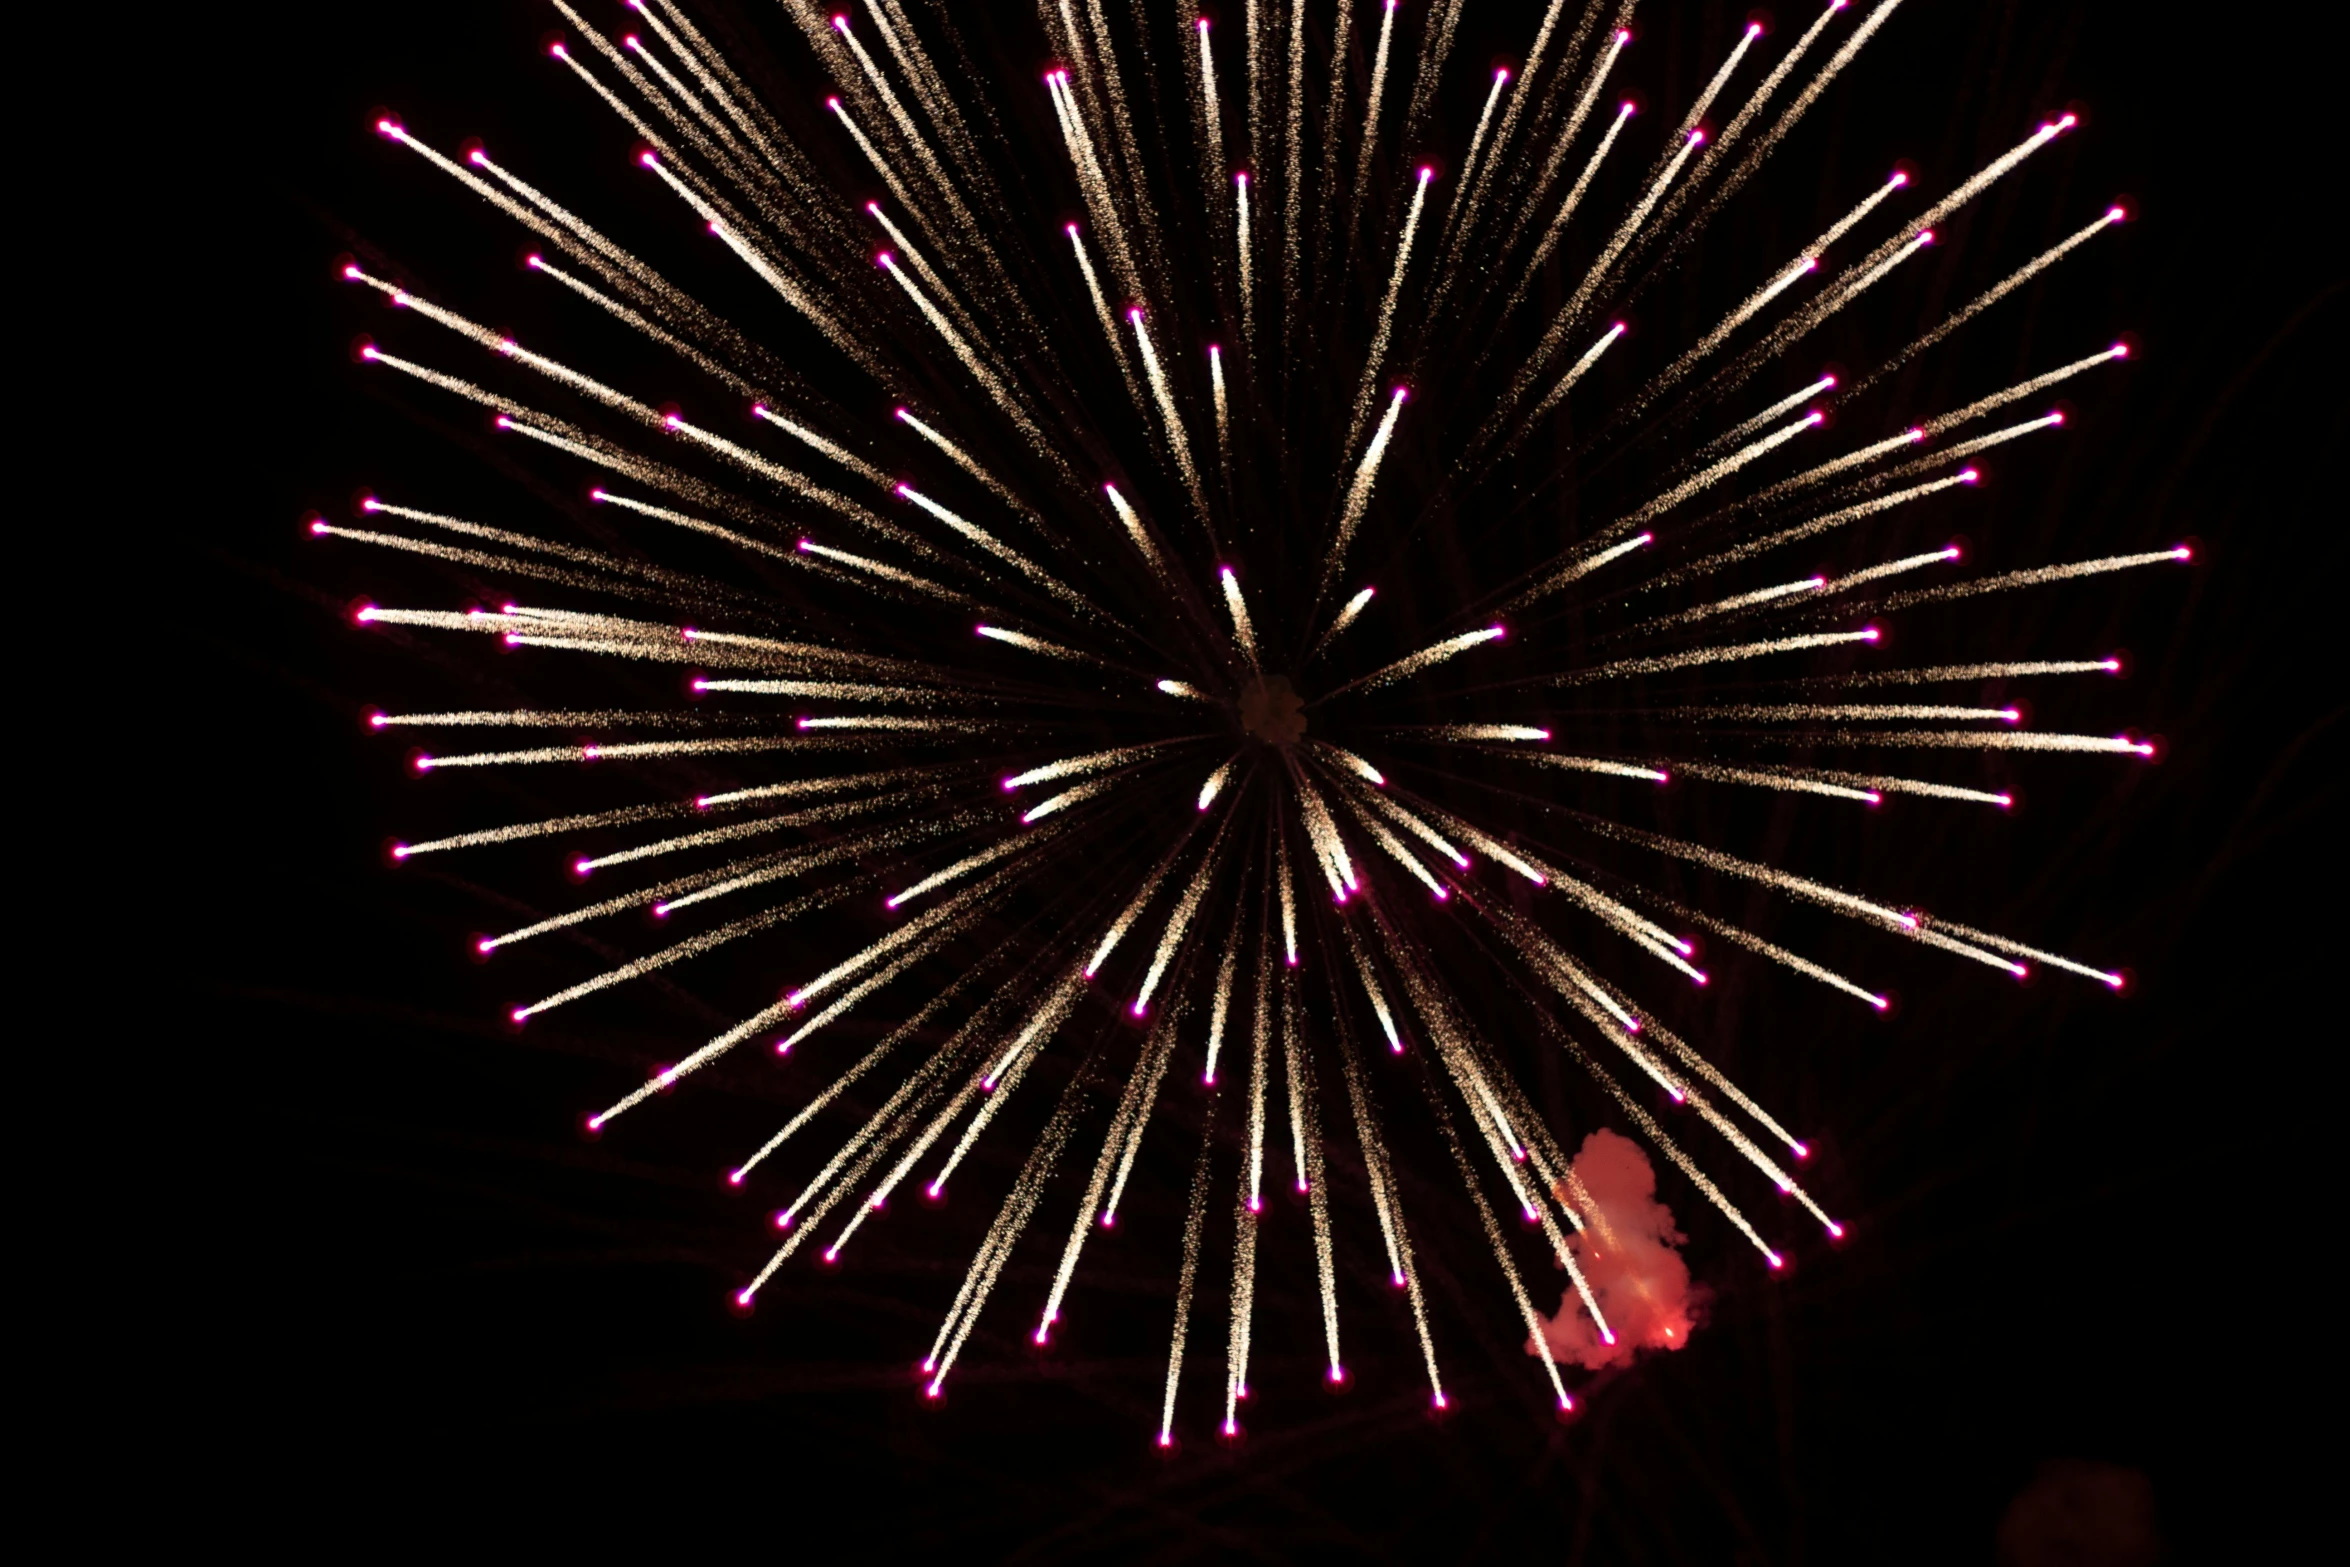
x=1016, y=562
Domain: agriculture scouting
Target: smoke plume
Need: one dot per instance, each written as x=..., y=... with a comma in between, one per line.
x=1627, y=1254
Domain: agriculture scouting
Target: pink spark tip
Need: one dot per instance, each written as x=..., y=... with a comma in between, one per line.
x=2184, y=552
x=1427, y=172
x=1395, y=1279
x=2011, y=715
x=1835, y=1229
x=353, y=272
x=1881, y=1003
x=1070, y=229
x=1140, y=1009
x=1337, y=1375
x=2120, y=350
x=1703, y=978
x=1627, y=107
x=1240, y=175
x=833, y=104
x=595, y=1123
x=1443, y=896
x=1209, y=1081
x=647, y=158
x=522, y=1014
x=485, y=945
x=832, y=1255
x=1230, y=1429
x=631, y=41
x=885, y=260
x=1871, y=634
x=840, y=21
x=1969, y=475
x=1109, y=1221
x=1776, y=1260
x=1256, y=1204
x=1293, y=960
x=1608, y=1334
x=783, y=1218
x=1501, y=73
x=1164, y=1439
x=660, y=911
x=1753, y=29
x=1899, y=179
x=1134, y=315
x=1203, y=24
x=1040, y=1335
x=1440, y=1403
x=2056, y=416
x=370, y=351
x=1623, y=36
x=389, y=128
x=320, y=527
x=734, y=1177
x=400, y=851
x=2068, y=122
x=1925, y=236
x=933, y=1190
x=1697, y=138
x=930, y=1391
x=1815, y=417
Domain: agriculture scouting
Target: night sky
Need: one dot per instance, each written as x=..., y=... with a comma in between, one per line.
x=2079, y=1231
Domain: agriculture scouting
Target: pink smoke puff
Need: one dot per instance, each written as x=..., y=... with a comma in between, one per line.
x=1628, y=1256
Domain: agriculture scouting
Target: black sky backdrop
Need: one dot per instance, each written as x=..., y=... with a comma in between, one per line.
x=2079, y=1220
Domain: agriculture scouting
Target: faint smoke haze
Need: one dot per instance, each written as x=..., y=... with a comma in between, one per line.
x=1627, y=1253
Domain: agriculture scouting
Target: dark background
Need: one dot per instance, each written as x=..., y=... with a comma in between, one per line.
x=2081, y=1223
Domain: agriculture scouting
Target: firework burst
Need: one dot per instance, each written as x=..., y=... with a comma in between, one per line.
x=1019, y=558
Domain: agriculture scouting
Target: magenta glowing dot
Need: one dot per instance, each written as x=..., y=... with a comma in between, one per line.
x=483, y=945
x=320, y=527
x=734, y=1177
x=833, y=1255
x=1800, y=1150
x=353, y=272
x=1697, y=138
x=2056, y=416
x=2068, y=122
x=1230, y=1429
x=1040, y=1335
x=1501, y=73
x=840, y=21
x=1427, y=173
x=2120, y=350
x=1626, y=107
x=1164, y=1439
x=581, y=867
x=1395, y=1279
x=1776, y=1260
x=1835, y=1229
x=1881, y=1003
x=1134, y=314
x=2011, y=715
x=783, y=1218
x=1208, y=1081
x=629, y=41
x=1256, y=1204
x=660, y=911
x=400, y=851
x=833, y=104
x=1969, y=475
x=1442, y=896
x=1240, y=176
x=1703, y=978
x=518, y=1015
x=884, y=259
x=369, y=351
x=647, y=159
x=595, y=1123
x=1871, y=633
x=1440, y=1403
x=2183, y=552
x=1139, y=1009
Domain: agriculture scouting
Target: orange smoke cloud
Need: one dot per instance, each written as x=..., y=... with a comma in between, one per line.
x=1627, y=1255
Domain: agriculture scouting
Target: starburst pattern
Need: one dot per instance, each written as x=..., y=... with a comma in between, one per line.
x=1026, y=584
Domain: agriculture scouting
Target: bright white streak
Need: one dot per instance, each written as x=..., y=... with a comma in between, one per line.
x=1243, y=630
x=1215, y=785
x=1428, y=657
x=1358, y=494
x=1383, y=333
